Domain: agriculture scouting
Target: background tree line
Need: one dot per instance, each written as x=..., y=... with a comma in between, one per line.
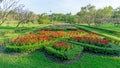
x=12, y=11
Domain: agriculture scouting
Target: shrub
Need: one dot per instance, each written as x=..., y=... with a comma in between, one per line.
x=112, y=39
x=22, y=49
x=73, y=53
x=66, y=55
x=114, y=49
x=54, y=52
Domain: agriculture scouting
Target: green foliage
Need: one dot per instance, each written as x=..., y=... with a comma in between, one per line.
x=71, y=54
x=54, y=52
x=22, y=49
x=114, y=38
x=114, y=49
x=43, y=19
x=66, y=55
x=87, y=14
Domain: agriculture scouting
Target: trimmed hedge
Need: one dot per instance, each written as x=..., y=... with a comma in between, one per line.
x=105, y=30
x=21, y=49
x=96, y=49
x=67, y=55
x=112, y=39
x=57, y=29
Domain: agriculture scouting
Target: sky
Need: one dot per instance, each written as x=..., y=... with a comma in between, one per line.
x=65, y=6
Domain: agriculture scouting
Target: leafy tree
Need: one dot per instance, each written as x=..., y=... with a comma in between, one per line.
x=43, y=18
x=87, y=14
x=103, y=15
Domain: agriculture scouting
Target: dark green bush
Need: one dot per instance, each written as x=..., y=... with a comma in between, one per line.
x=67, y=55
x=114, y=49
x=54, y=52
x=73, y=53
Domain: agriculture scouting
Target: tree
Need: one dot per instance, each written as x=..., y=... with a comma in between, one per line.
x=103, y=15
x=43, y=18
x=87, y=14
x=116, y=16
x=6, y=6
x=23, y=15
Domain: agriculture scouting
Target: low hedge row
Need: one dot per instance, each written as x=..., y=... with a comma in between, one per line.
x=67, y=55
x=105, y=30
x=112, y=39
x=57, y=29
x=114, y=49
x=21, y=49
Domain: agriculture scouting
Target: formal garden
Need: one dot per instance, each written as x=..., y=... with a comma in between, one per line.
x=88, y=38
x=48, y=46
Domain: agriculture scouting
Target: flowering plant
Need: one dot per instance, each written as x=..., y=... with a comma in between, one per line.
x=30, y=40
x=91, y=39
x=63, y=46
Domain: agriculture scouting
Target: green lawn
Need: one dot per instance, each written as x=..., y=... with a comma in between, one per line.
x=38, y=60
x=109, y=27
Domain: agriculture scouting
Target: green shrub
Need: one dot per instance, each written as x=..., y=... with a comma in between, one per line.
x=22, y=49
x=54, y=52
x=114, y=49
x=113, y=39
x=67, y=55
x=73, y=53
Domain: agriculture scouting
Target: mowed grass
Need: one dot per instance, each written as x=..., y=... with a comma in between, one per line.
x=109, y=26
x=39, y=60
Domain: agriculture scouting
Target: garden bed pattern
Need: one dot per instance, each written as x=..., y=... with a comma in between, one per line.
x=66, y=45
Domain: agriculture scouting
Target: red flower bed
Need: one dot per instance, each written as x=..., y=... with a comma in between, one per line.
x=91, y=39
x=43, y=36
x=30, y=38
x=63, y=46
x=61, y=33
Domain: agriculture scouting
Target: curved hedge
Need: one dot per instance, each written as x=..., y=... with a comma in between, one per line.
x=96, y=49
x=21, y=49
x=67, y=55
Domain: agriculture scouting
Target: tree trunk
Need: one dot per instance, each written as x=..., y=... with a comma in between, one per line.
x=18, y=24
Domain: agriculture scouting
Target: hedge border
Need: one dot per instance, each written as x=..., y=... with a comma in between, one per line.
x=67, y=55
x=22, y=49
x=115, y=50
x=111, y=39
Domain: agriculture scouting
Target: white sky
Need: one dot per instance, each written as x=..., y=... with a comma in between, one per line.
x=65, y=6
